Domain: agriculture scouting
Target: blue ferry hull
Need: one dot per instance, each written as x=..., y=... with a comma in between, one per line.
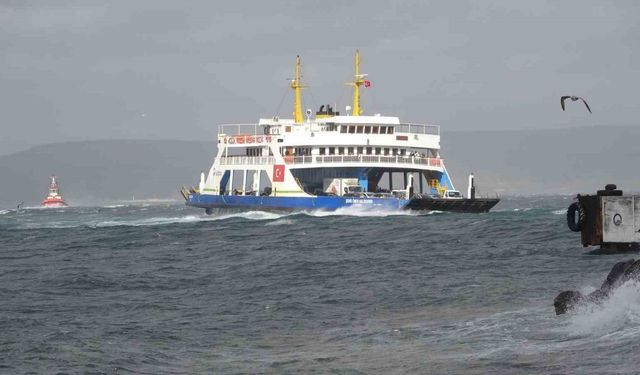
x=332, y=203
x=327, y=203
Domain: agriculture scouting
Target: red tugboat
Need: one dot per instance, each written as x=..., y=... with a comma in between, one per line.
x=54, y=199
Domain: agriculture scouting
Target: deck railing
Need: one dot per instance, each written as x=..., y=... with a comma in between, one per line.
x=247, y=160
x=261, y=130
x=242, y=129
x=333, y=159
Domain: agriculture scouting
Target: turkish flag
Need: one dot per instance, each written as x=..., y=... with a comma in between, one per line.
x=367, y=83
x=278, y=173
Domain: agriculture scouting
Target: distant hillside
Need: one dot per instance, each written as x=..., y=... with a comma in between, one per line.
x=563, y=161
x=102, y=171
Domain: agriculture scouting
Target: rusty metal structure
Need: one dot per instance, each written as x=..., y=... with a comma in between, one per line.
x=608, y=219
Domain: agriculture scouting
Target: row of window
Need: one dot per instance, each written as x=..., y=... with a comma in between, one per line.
x=351, y=150
x=254, y=151
x=297, y=151
x=362, y=151
x=366, y=129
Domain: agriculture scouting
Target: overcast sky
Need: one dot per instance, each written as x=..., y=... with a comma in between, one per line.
x=77, y=70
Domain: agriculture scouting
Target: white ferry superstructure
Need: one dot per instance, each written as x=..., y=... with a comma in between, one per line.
x=329, y=161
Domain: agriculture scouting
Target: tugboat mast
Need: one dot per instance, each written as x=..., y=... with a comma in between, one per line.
x=53, y=186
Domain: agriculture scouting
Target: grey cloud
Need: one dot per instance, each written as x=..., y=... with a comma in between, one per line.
x=86, y=70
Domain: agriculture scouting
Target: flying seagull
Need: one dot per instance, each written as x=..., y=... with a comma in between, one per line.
x=573, y=99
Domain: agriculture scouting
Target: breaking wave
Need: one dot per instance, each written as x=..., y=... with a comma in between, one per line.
x=153, y=221
x=367, y=212
x=620, y=312
x=134, y=216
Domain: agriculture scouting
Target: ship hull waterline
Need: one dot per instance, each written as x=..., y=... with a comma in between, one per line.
x=332, y=203
x=54, y=203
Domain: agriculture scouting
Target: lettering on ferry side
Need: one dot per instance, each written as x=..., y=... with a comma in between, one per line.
x=278, y=173
x=359, y=201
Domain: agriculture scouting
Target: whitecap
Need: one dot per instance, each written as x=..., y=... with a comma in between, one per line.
x=522, y=209
x=363, y=211
x=280, y=222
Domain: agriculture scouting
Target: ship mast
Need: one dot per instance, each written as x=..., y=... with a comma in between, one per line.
x=296, y=85
x=53, y=186
x=357, y=82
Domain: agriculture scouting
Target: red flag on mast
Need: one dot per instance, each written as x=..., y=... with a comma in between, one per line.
x=367, y=83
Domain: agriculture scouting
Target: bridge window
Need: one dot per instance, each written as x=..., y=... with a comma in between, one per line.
x=322, y=150
x=378, y=149
x=332, y=150
x=374, y=130
x=352, y=129
x=359, y=129
x=386, y=150
x=395, y=151
x=403, y=152
x=360, y=149
x=350, y=150
x=390, y=130
x=383, y=130
x=343, y=129
x=367, y=129
x=369, y=150
x=340, y=150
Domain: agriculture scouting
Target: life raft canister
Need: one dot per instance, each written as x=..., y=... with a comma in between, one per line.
x=572, y=223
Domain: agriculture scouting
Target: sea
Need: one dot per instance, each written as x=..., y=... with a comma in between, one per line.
x=161, y=288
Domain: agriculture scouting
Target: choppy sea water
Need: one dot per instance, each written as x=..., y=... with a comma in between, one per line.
x=155, y=289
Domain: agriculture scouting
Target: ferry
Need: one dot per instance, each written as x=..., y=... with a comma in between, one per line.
x=54, y=199
x=328, y=160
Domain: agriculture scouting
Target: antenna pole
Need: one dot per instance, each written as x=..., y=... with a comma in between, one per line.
x=357, y=82
x=297, y=87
